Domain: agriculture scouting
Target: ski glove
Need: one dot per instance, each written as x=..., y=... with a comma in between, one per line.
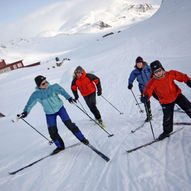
x=99, y=92
x=71, y=100
x=189, y=83
x=144, y=98
x=76, y=97
x=130, y=86
x=22, y=115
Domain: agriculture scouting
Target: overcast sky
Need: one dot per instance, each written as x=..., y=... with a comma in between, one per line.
x=11, y=10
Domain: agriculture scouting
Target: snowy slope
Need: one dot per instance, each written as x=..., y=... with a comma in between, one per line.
x=161, y=166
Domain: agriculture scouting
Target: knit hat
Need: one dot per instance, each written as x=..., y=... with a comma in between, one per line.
x=156, y=65
x=79, y=69
x=39, y=80
x=139, y=59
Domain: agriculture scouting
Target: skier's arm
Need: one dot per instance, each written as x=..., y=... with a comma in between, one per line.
x=74, y=89
x=62, y=91
x=31, y=102
x=181, y=77
x=132, y=77
x=95, y=80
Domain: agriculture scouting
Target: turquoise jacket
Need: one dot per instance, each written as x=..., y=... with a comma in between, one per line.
x=48, y=98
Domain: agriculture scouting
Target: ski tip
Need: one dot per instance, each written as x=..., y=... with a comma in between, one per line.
x=11, y=173
x=107, y=160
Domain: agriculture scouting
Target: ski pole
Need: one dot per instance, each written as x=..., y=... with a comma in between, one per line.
x=111, y=104
x=150, y=121
x=109, y=135
x=141, y=111
x=82, y=107
x=133, y=131
x=182, y=123
x=50, y=142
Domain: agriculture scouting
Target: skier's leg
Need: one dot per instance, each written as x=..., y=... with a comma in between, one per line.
x=91, y=103
x=71, y=126
x=53, y=131
x=168, y=111
x=184, y=103
x=148, y=111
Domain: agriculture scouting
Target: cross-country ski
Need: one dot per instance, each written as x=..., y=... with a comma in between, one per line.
x=151, y=142
x=32, y=163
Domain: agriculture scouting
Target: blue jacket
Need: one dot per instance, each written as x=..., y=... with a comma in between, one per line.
x=48, y=98
x=143, y=76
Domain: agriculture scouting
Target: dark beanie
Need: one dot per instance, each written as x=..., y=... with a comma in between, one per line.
x=156, y=65
x=139, y=59
x=39, y=80
x=79, y=69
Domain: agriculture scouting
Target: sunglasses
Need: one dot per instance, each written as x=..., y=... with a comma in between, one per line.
x=44, y=83
x=78, y=71
x=156, y=71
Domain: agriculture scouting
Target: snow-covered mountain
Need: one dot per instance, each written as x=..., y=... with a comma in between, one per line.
x=59, y=18
x=161, y=166
x=66, y=18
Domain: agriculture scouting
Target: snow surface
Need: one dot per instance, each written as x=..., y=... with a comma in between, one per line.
x=162, y=166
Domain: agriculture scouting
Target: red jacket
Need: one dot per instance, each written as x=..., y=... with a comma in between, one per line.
x=86, y=84
x=165, y=88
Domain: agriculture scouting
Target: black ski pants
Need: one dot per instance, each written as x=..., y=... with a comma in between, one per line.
x=91, y=102
x=147, y=107
x=168, y=111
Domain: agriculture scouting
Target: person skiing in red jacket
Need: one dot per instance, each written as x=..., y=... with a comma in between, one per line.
x=169, y=94
x=86, y=83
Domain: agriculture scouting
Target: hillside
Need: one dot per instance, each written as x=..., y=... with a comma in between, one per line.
x=161, y=166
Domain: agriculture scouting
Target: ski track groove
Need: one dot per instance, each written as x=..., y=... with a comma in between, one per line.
x=165, y=166
x=184, y=154
x=114, y=154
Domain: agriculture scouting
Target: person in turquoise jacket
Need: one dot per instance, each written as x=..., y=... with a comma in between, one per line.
x=47, y=95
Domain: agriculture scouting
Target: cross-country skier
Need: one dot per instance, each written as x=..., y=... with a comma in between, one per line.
x=142, y=73
x=87, y=83
x=47, y=95
x=169, y=94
